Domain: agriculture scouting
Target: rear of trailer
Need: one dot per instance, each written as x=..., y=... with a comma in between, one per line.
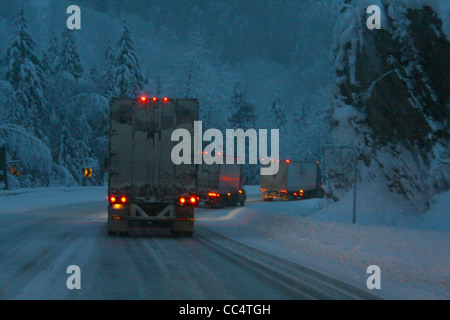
x=295, y=180
x=146, y=188
x=221, y=184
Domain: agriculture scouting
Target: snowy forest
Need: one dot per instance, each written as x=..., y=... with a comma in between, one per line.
x=309, y=68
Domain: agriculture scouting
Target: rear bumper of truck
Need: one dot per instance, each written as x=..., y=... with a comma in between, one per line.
x=292, y=195
x=169, y=215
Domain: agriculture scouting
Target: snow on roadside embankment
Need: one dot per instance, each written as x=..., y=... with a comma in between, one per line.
x=42, y=198
x=413, y=255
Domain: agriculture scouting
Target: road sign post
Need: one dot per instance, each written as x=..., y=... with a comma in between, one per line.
x=3, y=170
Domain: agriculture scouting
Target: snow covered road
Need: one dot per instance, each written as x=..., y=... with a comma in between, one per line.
x=37, y=246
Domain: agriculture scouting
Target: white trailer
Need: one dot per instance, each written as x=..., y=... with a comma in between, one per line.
x=295, y=180
x=145, y=187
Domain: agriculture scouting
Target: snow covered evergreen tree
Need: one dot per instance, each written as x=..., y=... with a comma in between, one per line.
x=278, y=116
x=70, y=62
x=108, y=76
x=242, y=111
x=24, y=73
x=243, y=117
x=128, y=74
x=50, y=59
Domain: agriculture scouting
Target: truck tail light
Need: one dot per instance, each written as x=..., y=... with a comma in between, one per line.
x=284, y=191
x=213, y=195
x=188, y=201
x=118, y=200
x=302, y=193
x=144, y=99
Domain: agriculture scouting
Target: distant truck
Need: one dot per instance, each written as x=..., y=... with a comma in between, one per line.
x=146, y=188
x=221, y=185
x=295, y=180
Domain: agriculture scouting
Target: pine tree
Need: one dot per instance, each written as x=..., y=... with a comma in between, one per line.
x=242, y=111
x=129, y=77
x=70, y=62
x=243, y=117
x=194, y=71
x=278, y=114
x=108, y=76
x=25, y=75
x=51, y=56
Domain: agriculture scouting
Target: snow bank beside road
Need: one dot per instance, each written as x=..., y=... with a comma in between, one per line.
x=32, y=199
x=414, y=261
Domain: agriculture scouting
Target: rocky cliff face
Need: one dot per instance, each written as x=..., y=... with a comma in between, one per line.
x=392, y=98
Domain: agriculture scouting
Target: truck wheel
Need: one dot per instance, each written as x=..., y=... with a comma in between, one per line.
x=124, y=234
x=189, y=234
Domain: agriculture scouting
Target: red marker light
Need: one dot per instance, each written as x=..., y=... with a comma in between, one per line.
x=166, y=99
x=288, y=161
x=144, y=99
x=154, y=99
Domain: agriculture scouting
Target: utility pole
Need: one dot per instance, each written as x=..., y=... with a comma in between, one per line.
x=3, y=171
x=355, y=166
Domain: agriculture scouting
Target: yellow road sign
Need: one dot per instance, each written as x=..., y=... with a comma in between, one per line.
x=14, y=171
x=88, y=172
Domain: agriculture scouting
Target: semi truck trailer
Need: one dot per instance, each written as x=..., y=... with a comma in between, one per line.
x=146, y=189
x=295, y=180
x=221, y=184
